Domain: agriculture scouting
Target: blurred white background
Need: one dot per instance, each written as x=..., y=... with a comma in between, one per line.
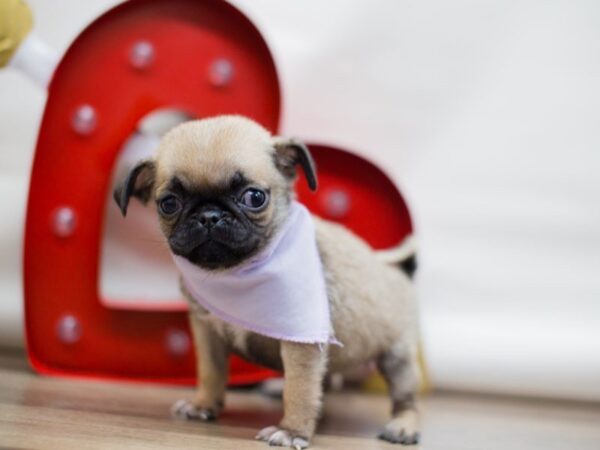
x=486, y=114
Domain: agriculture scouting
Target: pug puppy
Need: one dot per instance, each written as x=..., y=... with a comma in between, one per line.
x=223, y=188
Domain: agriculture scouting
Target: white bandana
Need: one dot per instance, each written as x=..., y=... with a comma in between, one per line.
x=280, y=293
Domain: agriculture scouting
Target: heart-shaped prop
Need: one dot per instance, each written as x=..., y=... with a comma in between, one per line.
x=201, y=58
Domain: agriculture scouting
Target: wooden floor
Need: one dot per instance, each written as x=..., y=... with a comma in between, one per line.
x=45, y=413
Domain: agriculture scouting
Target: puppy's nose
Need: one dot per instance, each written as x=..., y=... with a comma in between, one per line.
x=210, y=217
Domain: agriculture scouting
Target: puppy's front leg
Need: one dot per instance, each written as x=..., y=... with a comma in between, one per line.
x=304, y=368
x=212, y=370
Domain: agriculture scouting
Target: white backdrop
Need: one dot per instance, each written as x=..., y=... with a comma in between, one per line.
x=486, y=115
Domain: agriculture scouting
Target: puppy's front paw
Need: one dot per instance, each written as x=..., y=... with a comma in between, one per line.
x=281, y=437
x=184, y=409
x=402, y=429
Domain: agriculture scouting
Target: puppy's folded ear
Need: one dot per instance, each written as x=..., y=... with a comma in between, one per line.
x=288, y=154
x=139, y=184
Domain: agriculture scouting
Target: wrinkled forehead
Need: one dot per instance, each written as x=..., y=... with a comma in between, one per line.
x=207, y=162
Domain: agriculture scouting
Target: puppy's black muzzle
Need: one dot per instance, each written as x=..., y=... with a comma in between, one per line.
x=210, y=223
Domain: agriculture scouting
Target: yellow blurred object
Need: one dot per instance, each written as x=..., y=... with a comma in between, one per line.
x=376, y=384
x=425, y=385
x=15, y=24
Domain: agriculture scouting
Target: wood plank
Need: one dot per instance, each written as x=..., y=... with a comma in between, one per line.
x=51, y=413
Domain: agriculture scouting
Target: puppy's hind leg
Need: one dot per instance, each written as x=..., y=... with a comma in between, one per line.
x=400, y=370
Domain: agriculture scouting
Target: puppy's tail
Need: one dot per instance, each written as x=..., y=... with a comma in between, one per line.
x=403, y=256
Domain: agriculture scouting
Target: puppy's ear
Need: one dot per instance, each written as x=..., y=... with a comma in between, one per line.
x=288, y=154
x=139, y=184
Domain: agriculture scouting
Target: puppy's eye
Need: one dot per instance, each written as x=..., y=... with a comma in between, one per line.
x=169, y=205
x=253, y=198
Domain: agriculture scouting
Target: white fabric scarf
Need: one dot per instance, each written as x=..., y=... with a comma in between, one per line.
x=280, y=293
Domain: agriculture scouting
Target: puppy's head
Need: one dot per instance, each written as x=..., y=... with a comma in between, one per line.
x=222, y=188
